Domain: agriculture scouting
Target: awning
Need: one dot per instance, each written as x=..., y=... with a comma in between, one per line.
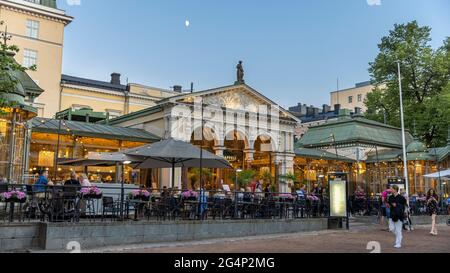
x=445, y=175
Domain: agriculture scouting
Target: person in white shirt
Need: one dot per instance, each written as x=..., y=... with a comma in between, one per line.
x=84, y=180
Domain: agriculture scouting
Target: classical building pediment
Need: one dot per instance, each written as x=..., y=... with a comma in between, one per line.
x=235, y=97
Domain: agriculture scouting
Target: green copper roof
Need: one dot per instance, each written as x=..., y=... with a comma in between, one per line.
x=416, y=146
x=84, y=129
x=25, y=85
x=31, y=88
x=391, y=155
x=351, y=132
x=83, y=115
x=320, y=154
x=441, y=153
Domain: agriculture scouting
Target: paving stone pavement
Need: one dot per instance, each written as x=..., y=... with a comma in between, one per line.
x=355, y=240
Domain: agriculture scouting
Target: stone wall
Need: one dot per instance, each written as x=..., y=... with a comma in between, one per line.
x=19, y=236
x=98, y=234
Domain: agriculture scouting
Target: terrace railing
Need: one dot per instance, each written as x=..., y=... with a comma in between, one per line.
x=75, y=203
x=107, y=203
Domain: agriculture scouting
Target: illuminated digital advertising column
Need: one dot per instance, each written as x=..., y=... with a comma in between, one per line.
x=338, y=196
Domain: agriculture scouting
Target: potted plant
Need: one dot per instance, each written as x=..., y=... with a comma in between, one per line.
x=273, y=187
x=143, y=195
x=288, y=178
x=267, y=177
x=91, y=193
x=286, y=196
x=244, y=178
x=13, y=196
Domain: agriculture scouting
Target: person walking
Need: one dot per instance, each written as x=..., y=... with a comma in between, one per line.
x=397, y=204
x=385, y=209
x=407, y=224
x=432, y=207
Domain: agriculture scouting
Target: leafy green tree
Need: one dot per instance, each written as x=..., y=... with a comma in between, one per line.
x=425, y=82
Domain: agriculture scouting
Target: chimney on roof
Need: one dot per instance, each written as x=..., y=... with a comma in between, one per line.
x=115, y=78
x=178, y=88
x=337, y=108
x=316, y=111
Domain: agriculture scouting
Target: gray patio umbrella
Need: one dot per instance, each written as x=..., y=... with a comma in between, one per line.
x=102, y=159
x=173, y=153
x=106, y=159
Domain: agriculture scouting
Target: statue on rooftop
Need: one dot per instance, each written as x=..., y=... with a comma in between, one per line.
x=240, y=73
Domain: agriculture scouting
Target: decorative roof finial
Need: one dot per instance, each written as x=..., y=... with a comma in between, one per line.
x=5, y=37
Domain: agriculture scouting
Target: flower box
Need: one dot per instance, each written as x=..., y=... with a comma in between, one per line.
x=91, y=193
x=13, y=197
x=92, y=196
x=189, y=195
x=142, y=195
x=15, y=200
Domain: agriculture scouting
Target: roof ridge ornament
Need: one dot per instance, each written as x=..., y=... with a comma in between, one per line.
x=5, y=36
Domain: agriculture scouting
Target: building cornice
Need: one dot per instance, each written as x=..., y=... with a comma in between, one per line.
x=37, y=10
x=109, y=92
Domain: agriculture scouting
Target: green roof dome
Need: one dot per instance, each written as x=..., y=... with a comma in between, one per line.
x=17, y=94
x=416, y=147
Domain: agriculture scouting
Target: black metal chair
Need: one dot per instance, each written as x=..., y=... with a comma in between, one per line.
x=109, y=206
x=4, y=188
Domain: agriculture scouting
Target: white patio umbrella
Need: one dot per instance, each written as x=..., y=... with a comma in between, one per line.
x=444, y=175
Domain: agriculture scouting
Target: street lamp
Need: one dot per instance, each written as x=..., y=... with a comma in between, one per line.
x=405, y=160
x=235, y=191
x=439, y=175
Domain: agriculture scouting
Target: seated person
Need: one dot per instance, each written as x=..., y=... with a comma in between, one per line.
x=73, y=180
x=72, y=185
x=42, y=182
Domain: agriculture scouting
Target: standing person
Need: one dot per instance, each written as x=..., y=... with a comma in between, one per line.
x=432, y=207
x=407, y=222
x=397, y=204
x=448, y=206
x=385, y=209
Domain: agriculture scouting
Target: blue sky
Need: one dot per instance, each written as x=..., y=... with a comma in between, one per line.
x=293, y=51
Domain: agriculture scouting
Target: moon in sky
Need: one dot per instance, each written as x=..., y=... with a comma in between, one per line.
x=187, y=23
